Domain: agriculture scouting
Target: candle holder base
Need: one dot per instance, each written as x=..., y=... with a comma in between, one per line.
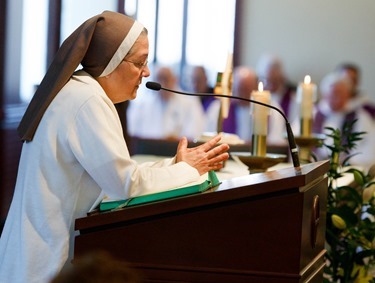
x=306, y=144
x=258, y=164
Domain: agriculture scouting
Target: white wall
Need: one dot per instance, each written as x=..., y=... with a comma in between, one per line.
x=311, y=37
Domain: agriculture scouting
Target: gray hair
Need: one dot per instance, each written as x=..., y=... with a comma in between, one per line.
x=334, y=78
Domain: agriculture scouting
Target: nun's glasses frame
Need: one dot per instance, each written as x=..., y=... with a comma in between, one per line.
x=139, y=65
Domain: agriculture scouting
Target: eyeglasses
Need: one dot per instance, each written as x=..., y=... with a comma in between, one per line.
x=139, y=65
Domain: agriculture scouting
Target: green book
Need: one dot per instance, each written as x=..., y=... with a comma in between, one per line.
x=210, y=182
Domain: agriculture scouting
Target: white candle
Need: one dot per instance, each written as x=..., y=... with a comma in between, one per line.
x=306, y=96
x=260, y=113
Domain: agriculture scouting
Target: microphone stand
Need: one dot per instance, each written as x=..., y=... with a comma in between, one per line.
x=291, y=140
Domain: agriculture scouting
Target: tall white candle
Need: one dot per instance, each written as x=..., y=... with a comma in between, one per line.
x=306, y=96
x=260, y=113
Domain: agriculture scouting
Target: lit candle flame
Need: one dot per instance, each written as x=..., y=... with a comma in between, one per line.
x=307, y=79
x=260, y=86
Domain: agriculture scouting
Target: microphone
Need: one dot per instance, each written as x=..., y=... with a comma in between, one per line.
x=291, y=141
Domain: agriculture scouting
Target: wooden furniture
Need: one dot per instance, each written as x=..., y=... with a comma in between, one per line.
x=266, y=227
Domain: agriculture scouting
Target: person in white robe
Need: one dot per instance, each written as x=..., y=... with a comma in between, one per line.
x=164, y=114
x=270, y=70
x=74, y=151
x=334, y=110
x=358, y=97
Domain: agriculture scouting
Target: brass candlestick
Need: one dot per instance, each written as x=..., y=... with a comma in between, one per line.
x=306, y=144
x=307, y=141
x=220, y=120
x=306, y=127
x=259, y=145
x=258, y=164
x=259, y=160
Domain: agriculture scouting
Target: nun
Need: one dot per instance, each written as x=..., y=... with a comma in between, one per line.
x=74, y=150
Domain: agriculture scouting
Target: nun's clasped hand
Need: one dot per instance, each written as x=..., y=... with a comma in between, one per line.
x=206, y=157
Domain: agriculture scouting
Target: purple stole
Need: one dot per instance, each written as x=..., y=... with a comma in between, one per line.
x=206, y=101
x=320, y=118
x=370, y=109
x=285, y=100
x=229, y=124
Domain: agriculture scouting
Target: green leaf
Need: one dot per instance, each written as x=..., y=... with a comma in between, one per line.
x=331, y=129
x=359, y=176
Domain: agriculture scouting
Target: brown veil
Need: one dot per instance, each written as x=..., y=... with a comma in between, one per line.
x=99, y=44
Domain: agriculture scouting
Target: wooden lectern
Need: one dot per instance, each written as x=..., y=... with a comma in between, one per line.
x=266, y=227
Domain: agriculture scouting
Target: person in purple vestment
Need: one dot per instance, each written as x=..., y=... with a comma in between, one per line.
x=245, y=80
x=271, y=72
x=239, y=120
x=199, y=84
x=334, y=109
x=358, y=98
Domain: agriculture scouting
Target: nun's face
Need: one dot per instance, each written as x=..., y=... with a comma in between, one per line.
x=122, y=84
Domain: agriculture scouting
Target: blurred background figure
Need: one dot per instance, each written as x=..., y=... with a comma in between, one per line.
x=270, y=71
x=98, y=267
x=245, y=80
x=358, y=97
x=239, y=121
x=163, y=114
x=334, y=109
x=199, y=84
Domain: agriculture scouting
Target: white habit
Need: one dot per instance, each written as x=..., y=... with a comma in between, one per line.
x=78, y=154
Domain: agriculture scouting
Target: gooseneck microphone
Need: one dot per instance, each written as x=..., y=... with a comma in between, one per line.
x=292, y=143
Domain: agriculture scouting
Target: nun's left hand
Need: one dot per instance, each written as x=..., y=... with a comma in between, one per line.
x=206, y=157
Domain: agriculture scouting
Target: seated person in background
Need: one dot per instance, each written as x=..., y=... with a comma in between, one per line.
x=199, y=84
x=270, y=71
x=245, y=81
x=358, y=98
x=333, y=111
x=164, y=114
x=239, y=121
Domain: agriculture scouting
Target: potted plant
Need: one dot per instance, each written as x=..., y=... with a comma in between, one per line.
x=350, y=230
